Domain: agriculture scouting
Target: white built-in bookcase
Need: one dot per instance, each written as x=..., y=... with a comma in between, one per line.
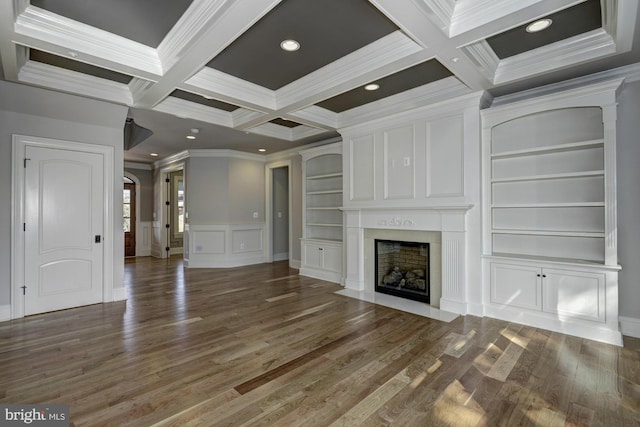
x=549, y=207
x=321, y=244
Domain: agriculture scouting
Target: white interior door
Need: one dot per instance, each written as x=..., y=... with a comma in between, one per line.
x=64, y=223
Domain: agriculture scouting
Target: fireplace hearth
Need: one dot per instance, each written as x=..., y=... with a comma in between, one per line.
x=402, y=269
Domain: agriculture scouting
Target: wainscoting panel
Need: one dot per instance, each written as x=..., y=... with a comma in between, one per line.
x=445, y=157
x=224, y=245
x=399, y=163
x=362, y=168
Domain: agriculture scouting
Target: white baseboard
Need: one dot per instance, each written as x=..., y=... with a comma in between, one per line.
x=5, y=312
x=630, y=326
x=119, y=294
x=295, y=263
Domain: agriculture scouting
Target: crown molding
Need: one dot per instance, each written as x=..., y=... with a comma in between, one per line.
x=186, y=109
x=174, y=158
x=471, y=14
x=45, y=30
x=230, y=89
x=65, y=80
x=483, y=57
x=300, y=132
x=136, y=165
x=232, y=154
x=273, y=130
x=423, y=96
x=595, y=44
x=630, y=73
x=316, y=117
x=559, y=98
x=439, y=11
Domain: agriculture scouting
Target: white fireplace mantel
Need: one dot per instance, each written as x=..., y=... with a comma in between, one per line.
x=449, y=220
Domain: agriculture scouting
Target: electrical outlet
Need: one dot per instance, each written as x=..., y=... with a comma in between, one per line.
x=279, y=214
x=242, y=246
x=407, y=161
x=255, y=214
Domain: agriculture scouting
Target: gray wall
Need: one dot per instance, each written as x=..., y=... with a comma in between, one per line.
x=145, y=210
x=246, y=190
x=295, y=215
x=224, y=190
x=280, y=187
x=628, y=154
x=37, y=112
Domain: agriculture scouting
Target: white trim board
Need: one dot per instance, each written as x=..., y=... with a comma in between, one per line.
x=630, y=326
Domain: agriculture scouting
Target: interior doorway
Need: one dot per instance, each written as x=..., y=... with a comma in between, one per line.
x=280, y=213
x=129, y=217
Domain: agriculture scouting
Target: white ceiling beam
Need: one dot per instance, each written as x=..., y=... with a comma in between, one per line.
x=414, y=20
x=204, y=31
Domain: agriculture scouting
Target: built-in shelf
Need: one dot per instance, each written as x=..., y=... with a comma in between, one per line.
x=549, y=233
x=325, y=176
x=550, y=176
x=548, y=205
x=311, y=193
x=581, y=145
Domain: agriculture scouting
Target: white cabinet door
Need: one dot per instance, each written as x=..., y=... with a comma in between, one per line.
x=516, y=285
x=312, y=255
x=332, y=258
x=574, y=294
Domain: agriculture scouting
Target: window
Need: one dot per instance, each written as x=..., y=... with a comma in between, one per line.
x=178, y=195
x=126, y=210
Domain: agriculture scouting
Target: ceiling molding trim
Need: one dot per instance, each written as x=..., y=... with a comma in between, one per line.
x=191, y=110
x=574, y=96
x=483, y=57
x=439, y=11
x=445, y=108
x=230, y=89
x=315, y=116
x=620, y=22
x=300, y=132
x=471, y=14
x=227, y=154
x=585, y=47
x=433, y=93
x=12, y=55
x=630, y=73
x=343, y=74
x=200, y=14
x=65, y=80
x=174, y=158
x=295, y=151
x=139, y=86
x=272, y=130
x=136, y=165
x=123, y=55
x=241, y=117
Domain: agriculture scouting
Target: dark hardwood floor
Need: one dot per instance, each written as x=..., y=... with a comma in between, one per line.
x=262, y=346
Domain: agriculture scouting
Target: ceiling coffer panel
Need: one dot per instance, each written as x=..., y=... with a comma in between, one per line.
x=573, y=21
x=326, y=31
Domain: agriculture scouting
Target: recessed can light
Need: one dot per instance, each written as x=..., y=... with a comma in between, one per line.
x=191, y=137
x=153, y=154
x=262, y=150
x=289, y=45
x=372, y=86
x=539, y=25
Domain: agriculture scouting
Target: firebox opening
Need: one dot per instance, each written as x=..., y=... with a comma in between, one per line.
x=402, y=269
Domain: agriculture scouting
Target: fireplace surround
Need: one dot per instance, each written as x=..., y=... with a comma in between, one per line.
x=449, y=222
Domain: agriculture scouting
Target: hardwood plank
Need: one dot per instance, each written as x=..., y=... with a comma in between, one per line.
x=262, y=346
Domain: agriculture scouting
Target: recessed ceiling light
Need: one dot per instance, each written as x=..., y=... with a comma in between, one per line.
x=455, y=59
x=262, y=150
x=153, y=154
x=372, y=86
x=207, y=97
x=539, y=25
x=195, y=131
x=289, y=45
x=191, y=137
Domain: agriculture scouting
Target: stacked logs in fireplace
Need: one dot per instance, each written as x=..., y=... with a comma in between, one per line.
x=414, y=280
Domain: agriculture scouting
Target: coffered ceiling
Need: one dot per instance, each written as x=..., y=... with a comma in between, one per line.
x=217, y=65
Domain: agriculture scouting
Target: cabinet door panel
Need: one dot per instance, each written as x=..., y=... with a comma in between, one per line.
x=312, y=255
x=516, y=285
x=574, y=294
x=332, y=258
